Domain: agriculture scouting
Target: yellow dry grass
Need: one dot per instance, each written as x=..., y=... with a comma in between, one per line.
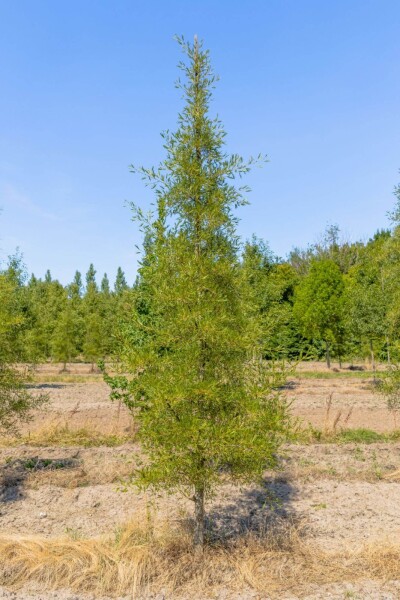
x=143, y=559
x=55, y=435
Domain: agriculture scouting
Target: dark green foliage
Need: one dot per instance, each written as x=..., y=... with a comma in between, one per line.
x=271, y=284
x=318, y=303
x=369, y=326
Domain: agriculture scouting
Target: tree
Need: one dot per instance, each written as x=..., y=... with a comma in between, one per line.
x=76, y=287
x=105, y=285
x=367, y=295
x=318, y=304
x=388, y=386
x=271, y=284
x=206, y=403
x=64, y=340
x=120, y=282
x=91, y=279
x=16, y=402
x=93, y=343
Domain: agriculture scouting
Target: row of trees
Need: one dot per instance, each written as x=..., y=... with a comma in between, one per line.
x=335, y=299
x=62, y=323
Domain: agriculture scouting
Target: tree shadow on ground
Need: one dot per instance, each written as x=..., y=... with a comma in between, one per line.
x=254, y=510
x=46, y=386
x=290, y=385
x=13, y=474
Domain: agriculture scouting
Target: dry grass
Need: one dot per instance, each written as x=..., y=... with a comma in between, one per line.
x=63, y=435
x=38, y=378
x=143, y=559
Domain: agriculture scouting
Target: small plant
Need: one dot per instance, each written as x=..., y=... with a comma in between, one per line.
x=73, y=533
x=320, y=506
x=359, y=454
x=361, y=436
x=389, y=387
x=331, y=428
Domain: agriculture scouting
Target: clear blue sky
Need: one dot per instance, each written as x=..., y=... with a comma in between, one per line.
x=87, y=86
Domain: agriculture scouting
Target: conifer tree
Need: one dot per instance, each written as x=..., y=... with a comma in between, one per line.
x=205, y=401
x=120, y=282
x=93, y=340
x=91, y=278
x=105, y=285
x=76, y=287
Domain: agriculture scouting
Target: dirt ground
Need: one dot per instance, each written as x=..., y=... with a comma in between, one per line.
x=354, y=398
x=368, y=409
x=341, y=495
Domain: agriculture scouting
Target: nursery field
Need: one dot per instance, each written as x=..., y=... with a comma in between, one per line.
x=326, y=525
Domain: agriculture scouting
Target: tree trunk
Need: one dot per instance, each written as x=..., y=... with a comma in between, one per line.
x=388, y=349
x=199, y=516
x=328, y=357
x=371, y=348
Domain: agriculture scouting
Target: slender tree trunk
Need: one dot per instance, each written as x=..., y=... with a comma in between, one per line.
x=199, y=513
x=388, y=349
x=328, y=356
x=371, y=348
x=199, y=517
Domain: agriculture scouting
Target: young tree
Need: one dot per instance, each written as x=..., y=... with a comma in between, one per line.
x=64, y=340
x=271, y=284
x=93, y=343
x=105, y=285
x=76, y=287
x=318, y=305
x=16, y=402
x=91, y=278
x=367, y=295
x=120, y=282
x=206, y=403
x=91, y=302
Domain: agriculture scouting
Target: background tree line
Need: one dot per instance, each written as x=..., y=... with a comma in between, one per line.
x=78, y=321
x=336, y=300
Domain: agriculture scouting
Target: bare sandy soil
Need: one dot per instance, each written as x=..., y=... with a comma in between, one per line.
x=341, y=496
x=357, y=396
x=54, y=491
x=362, y=590
x=88, y=404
